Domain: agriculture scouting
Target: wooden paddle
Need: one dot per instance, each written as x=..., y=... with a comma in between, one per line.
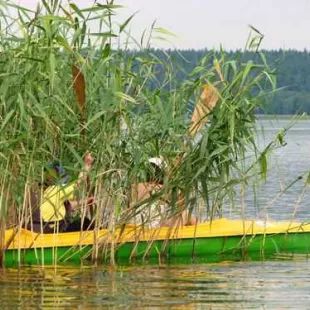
x=207, y=101
x=203, y=107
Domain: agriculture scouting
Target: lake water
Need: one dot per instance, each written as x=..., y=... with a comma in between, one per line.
x=229, y=285
x=285, y=165
x=259, y=285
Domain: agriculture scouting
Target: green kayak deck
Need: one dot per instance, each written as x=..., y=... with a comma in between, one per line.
x=217, y=241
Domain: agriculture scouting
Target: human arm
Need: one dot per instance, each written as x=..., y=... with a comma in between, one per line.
x=144, y=190
x=76, y=204
x=88, y=161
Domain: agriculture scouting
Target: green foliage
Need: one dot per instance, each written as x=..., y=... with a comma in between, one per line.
x=138, y=105
x=291, y=68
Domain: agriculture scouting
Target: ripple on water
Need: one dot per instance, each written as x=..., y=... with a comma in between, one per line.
x=230, y=285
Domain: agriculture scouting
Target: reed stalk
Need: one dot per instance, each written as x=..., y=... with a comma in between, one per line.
x=127, y=113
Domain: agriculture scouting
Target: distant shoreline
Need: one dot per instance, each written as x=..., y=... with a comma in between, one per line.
x=283, y=116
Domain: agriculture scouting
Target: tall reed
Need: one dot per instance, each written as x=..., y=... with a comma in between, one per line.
x=131, y=113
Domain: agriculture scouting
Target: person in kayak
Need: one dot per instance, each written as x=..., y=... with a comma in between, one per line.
x=155, y=213
x=59, y=200
x=150, y=214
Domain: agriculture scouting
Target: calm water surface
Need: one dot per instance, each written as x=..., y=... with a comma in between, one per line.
x=252, y=285
x=260, y=285
x=285, y=165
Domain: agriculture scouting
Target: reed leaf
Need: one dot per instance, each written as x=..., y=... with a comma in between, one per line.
x=137, y=108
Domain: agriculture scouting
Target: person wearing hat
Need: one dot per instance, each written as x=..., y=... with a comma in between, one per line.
x=59, y=200
x=154, y=214
x=150, y=214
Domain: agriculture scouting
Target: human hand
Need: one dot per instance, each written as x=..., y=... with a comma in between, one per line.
x=88, y=159
x=90, y=200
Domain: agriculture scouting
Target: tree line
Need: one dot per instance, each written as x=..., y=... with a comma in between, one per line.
x=291, y=68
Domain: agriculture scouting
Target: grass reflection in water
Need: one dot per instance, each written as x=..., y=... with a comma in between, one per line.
x=271, y=284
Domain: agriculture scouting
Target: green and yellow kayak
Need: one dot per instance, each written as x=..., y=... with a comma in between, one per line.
x=214, y=241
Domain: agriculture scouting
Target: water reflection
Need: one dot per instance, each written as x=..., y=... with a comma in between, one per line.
x=227, y=285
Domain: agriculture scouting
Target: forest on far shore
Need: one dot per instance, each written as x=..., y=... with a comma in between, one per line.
x=292, y=69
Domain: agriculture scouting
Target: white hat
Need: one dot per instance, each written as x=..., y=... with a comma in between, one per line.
x=156, y=161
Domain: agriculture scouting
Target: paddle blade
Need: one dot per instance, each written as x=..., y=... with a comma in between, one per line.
x=79, y=88
x=203, y=107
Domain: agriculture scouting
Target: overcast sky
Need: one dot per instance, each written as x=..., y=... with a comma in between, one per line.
x=208, y=24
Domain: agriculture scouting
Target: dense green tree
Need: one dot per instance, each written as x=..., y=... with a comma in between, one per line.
x=291, y=67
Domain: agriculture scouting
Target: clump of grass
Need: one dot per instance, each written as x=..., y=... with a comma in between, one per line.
x=127, y=114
